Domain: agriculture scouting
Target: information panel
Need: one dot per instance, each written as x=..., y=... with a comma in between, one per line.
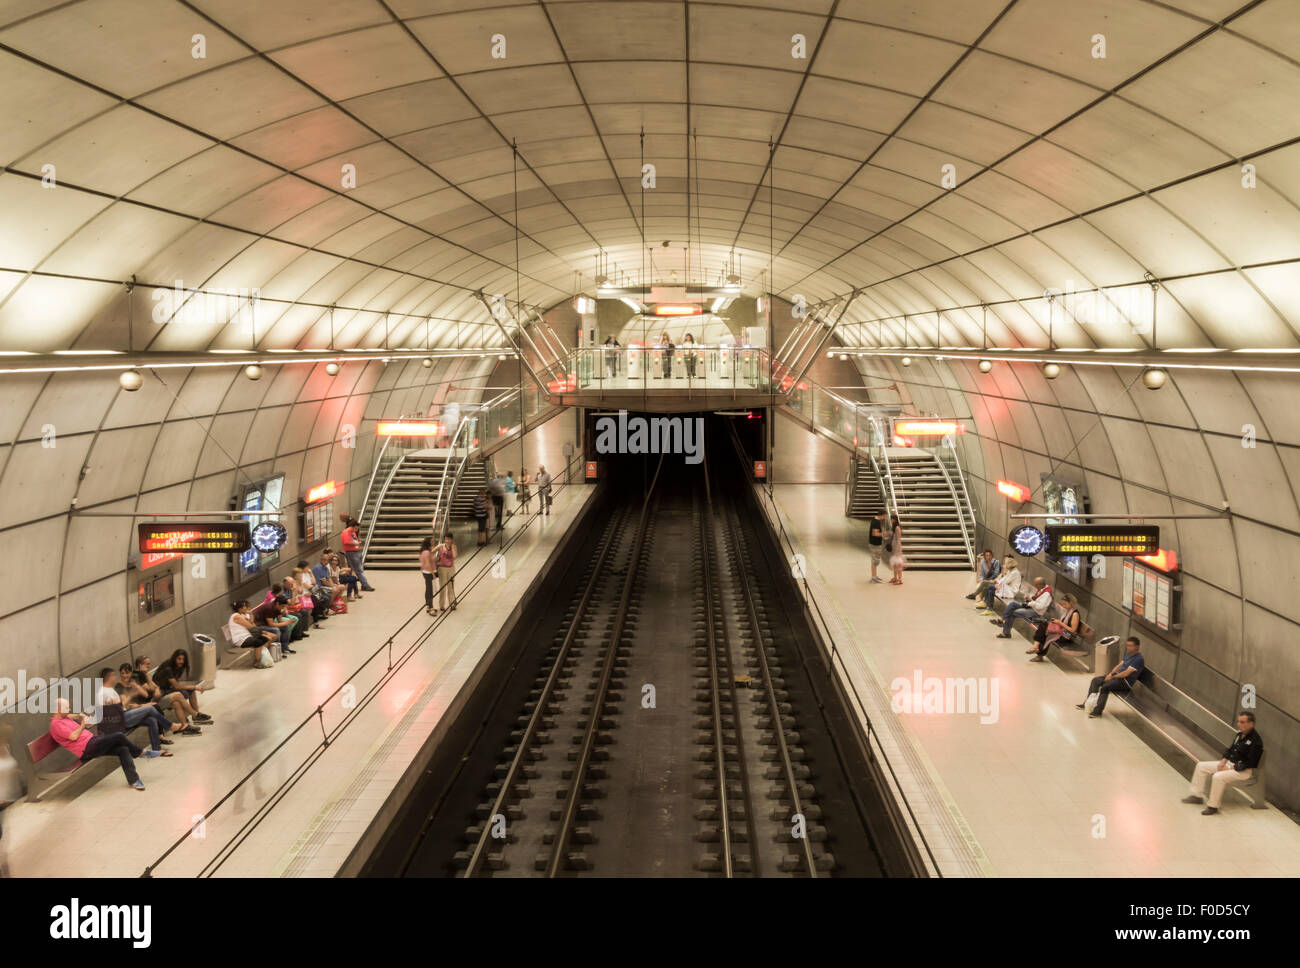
x=203, y=537
x=1103, y=539
x=1150, y=596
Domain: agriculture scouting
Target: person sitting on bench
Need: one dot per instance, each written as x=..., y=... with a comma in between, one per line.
x=169, y=677
x=1033, y=609
x=69, y=731
x=1061, y=632
x=142, y=689
x=136, y=714
x=1004, y=588
x=1240, y=760
x=1119, y=679
x=987, y=569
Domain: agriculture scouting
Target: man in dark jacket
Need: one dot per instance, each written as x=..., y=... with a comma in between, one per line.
x=1240, y=760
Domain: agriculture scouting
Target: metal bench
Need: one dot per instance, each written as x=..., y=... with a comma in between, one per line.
x=1184, y=732
x=238, y=657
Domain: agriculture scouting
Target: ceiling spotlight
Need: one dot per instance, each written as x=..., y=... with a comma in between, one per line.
x=1154, y=378
x=844, y=356
x=501, y=356
x=426, y=362
x=986, y=365
x=253, y=371
x=332, y=369
x=907, y=361
x=830, y=354
x=1051, y=370
x=733, y=281
x=131, y=380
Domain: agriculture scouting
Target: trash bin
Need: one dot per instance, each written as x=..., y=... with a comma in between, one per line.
x=205, y=659
x=1101, y=662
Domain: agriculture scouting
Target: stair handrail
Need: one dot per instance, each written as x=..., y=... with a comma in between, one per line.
x=438, y=507
x=379, y=502
x=374, y=471
x=961, y=509
x=884, y=459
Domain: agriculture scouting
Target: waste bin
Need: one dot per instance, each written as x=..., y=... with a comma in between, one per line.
x=1101, y=661
x=205, y=659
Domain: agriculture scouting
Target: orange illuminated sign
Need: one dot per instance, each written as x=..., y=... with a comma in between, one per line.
x=928, y=428
x=398, y=429
x=1163, y=560
x=678, y=309
x=760, y=469
x=593, y=470
x=323, y=492
x=204, y=538
x=1017, y=492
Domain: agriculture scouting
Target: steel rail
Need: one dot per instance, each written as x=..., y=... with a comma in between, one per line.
x=560, y=846
x=479, y=854
x=742, y=578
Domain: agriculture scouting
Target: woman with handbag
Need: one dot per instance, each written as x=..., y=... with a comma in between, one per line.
x=1061, y=632
x=894, y=545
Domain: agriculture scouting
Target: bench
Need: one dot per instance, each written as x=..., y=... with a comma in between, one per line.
x=1184, y=732
x=237, y=657
x=70, y=774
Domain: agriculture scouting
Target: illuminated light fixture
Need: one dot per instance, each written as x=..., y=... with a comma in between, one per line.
x=1051, y=370
x=322, y=492
x=332, y=368
x=678, y=309
x=1154, y=378
x=902, y=441
x=87, y=352
x=1116, y=349
x=1163, y=560
x=907, y=361
x=284, y=351
x=131, y=380
x=253, y=372
x=399, y=429
x=717, y=304
x=844, y=356
x=631, y=304
x=1016, y=492
x=928, y=428
x=1268, y=349
x=426, y=362
x=830, y=354
x=16, y=353
x=1194, y=349
x=986, y=366
x=230, y=351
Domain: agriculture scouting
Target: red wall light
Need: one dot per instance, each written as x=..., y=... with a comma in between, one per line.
x=678, y=309
x=928, y=428
x=323, y=492
x=398, y=429
x=1163, y=560
x=1016, y=492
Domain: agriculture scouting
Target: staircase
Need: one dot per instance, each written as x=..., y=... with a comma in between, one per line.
x=863, y=499
x=405, y=516
x=930, y=512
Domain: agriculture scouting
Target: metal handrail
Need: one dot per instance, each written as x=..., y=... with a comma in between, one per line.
x=961, y=510
x=365, y=501
x=462, y=427
x=965, y=493
x=889, y=474
x=370, y=528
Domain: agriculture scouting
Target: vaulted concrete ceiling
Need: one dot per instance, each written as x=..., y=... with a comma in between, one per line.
x=1069, y=170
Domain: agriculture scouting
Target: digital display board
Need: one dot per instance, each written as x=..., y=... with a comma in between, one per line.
x=1103, y=539
x=202, y=537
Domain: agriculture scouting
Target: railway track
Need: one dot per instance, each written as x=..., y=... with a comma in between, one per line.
x=672, y=725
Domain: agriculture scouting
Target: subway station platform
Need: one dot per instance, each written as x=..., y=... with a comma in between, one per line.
x=112, y=831
x=1043, y=791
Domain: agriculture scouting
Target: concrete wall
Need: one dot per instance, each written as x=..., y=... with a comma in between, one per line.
x=1175, y=450
x=182, y=442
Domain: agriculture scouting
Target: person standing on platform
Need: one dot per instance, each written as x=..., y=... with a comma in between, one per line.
x=446, y=562
x=351, y=539
x=688, y=350
x=427, y=572
x=497, y=488
x=483, y=514
x=895, y=547
x=512, y=493
x=1119, y=679
x=525, y=489
x=611, y=355
x=1239, y=763
x=544, y=489
x=876, y=543
x=666, y=349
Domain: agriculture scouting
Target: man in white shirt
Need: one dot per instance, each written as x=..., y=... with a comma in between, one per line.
x=147, y=714
x=1034, y=608
x=1004, y=588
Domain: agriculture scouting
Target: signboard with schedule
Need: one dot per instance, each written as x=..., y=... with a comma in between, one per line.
x=1150, y=596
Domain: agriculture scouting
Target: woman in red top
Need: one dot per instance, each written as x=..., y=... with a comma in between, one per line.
x=352, y=549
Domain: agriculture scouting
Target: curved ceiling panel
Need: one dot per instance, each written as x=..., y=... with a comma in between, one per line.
x=392, y=159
